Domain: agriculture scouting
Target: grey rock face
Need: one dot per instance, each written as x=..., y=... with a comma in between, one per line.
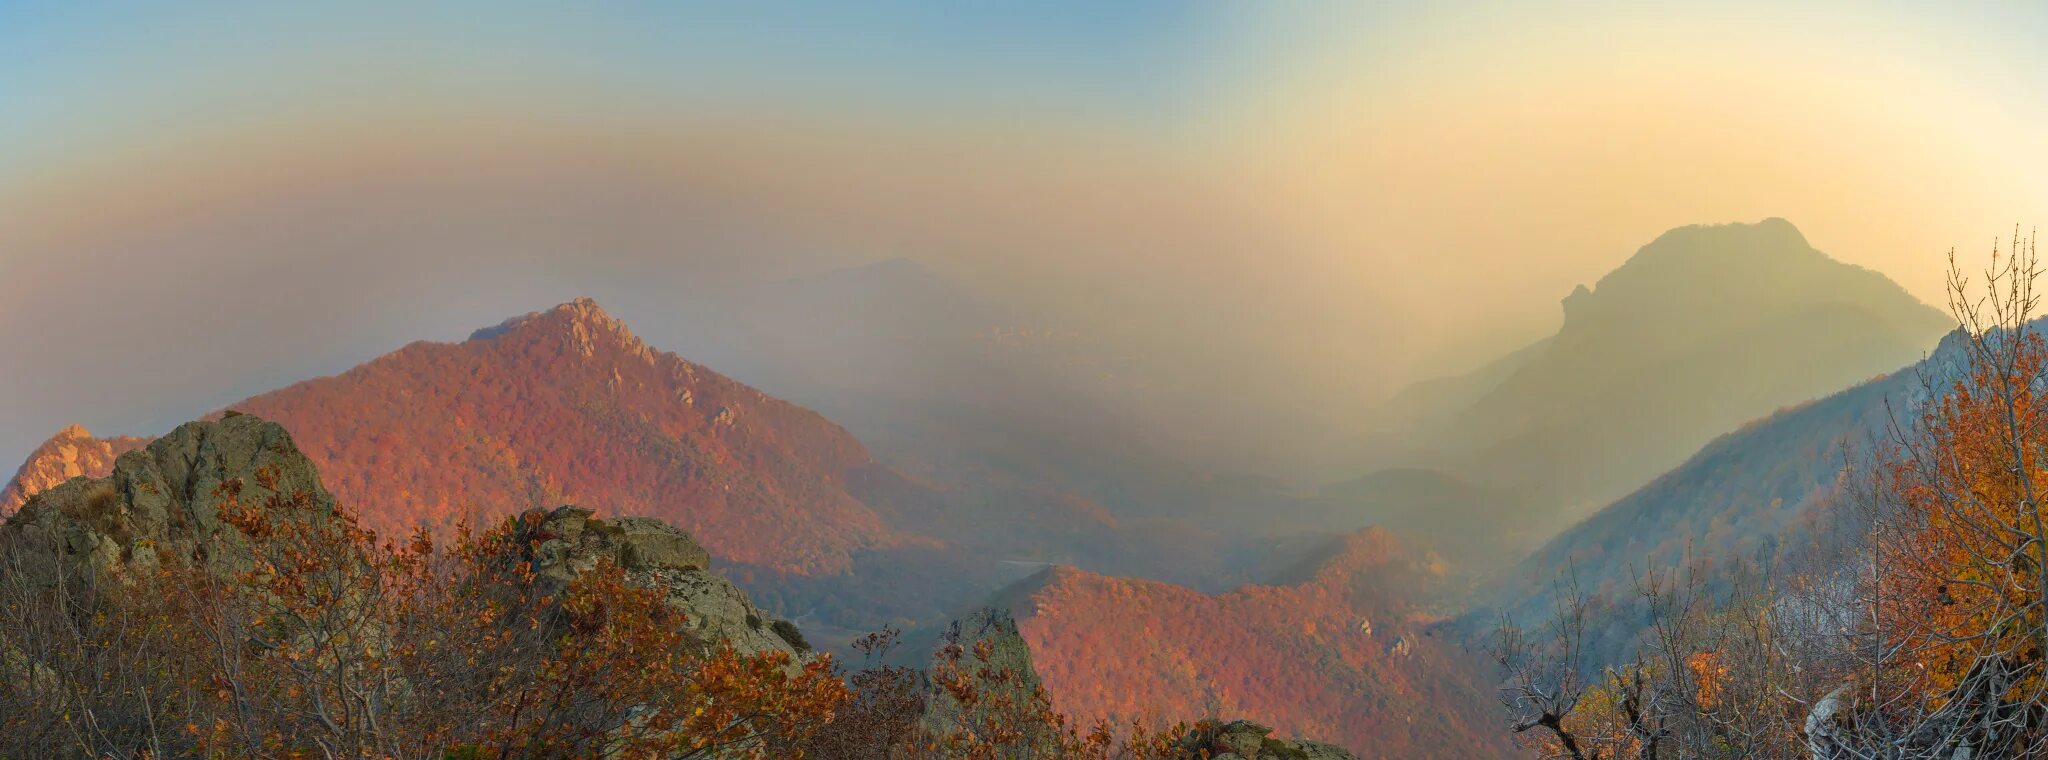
x=163, y=502
x=1824, y=725
x=1007, y=648
x=1007, y=673
x=567, y=542
x=653, y=545
x=165, y=499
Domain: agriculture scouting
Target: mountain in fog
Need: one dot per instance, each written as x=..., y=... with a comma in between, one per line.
x=952, y=387
x=940, y=381
x=1705, y=328
x=1774, y=493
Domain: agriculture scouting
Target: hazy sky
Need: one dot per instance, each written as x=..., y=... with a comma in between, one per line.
x=203, y=200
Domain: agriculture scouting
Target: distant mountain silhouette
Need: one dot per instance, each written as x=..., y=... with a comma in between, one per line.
x=1705, y=328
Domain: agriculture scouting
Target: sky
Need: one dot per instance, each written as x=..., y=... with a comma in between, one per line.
x=199, y=201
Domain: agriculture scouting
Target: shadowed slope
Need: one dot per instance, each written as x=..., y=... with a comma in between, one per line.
x=1771, y=492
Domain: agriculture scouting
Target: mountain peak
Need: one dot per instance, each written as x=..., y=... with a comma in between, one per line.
x=1759, y=243
x=565, y=405
x=583, y=307
x=1369, y=551
x=1702, y=259
x=1738, y=268
x=1772, y=234
x=582, y=310
x=73, y=452
x=1780, y=225
x=581, y=321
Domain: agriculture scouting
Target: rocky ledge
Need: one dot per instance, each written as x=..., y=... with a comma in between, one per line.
x=567, y=541
x=162, y=502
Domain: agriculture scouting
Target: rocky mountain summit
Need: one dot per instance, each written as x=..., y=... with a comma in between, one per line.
x=164, y=500
x=560, y=406
x=71, y=453
x=568, y=406
x=994, y=658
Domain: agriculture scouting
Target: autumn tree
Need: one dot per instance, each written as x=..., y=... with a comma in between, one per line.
x=87, y=669
x=1954, y=604
x=294, y=632
x=298, y=633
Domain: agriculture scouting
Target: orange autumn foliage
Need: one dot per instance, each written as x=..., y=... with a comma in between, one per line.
x=567, y=406
x=1962, y=573
x=1709, y=673
x=300, y=634
x=1001, y=716
x=564, y=406
x=1299, y=658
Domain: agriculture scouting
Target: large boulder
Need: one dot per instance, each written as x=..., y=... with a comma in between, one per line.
x=1007, y=650
x=567, y=541
x=165, y=499
x=163, y=502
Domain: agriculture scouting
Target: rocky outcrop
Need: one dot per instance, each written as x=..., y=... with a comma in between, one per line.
x=163, y=502
x=1007, y=650
x=1245, y=740
x=568, y=541
x=986, y=649
x=1827, y=726
x=165, y=499
x=998, y=660
x=72, y=453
